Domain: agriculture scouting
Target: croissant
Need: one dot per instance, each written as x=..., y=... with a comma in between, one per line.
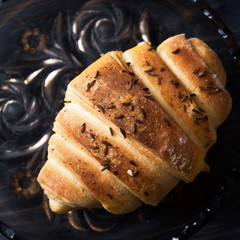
x=134, y=124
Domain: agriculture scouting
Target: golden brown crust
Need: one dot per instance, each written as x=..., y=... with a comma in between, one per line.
x=139, y=174
x=196, y=77
x=54, y=181
x=121, y=141
x=156, y=131
x=171, y=95
x=63, y=187
x=210, y=57
x=101, y=184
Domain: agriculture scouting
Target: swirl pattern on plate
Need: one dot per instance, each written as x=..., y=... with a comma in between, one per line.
x=20, y=110
x=100, y=27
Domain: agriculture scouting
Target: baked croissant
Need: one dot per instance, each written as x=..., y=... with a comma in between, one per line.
x=134, y=124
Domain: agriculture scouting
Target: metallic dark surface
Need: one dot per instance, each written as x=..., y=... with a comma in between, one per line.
x=225, y=224
x=43, y=45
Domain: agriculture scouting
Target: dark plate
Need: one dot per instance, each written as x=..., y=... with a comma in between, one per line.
x=43, y=45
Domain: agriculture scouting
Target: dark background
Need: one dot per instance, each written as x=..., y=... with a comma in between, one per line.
x=225, y=225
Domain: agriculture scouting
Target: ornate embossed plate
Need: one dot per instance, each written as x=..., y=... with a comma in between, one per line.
x=43, y=45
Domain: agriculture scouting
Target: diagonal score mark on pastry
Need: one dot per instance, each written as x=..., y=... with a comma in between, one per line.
x=197, y=77
x=116, y=139
x=63, y=187
x=171, y=95
x=210, y=58
x=157, y=135
x=120, y=157
x=101, y=184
